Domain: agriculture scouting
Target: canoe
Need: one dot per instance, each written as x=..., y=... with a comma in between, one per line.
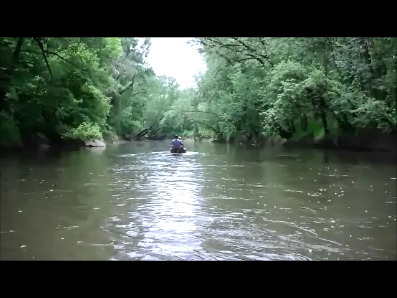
x=178, y=150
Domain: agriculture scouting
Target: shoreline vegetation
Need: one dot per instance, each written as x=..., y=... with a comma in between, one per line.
x=331, y=93
x=366, y=141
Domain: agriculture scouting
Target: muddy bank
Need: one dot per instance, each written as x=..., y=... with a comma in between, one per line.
x=365, y=140
x=41, y=143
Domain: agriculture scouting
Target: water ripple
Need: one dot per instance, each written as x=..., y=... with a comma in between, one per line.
x=152, y=205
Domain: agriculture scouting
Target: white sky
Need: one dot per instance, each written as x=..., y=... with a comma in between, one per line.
x=173, y=57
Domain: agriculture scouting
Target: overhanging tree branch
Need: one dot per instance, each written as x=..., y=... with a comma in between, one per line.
x=64, y=59
x=232, y=62
x=252, y=50
x=43, y=51
x=202, y=112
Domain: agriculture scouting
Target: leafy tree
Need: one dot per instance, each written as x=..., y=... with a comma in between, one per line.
x=84, y=88
x=295, y=87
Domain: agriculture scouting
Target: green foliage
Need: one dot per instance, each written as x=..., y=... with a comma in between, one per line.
x=56, y=86
x=294, y=87
x=85, y=131
x=53, y=84
x=109, y=135
x=86, y=88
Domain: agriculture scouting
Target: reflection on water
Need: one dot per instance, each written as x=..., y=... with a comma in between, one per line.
x=166, y=204
x=218, y=202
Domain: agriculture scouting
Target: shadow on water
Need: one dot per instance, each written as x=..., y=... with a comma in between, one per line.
x=136, y=201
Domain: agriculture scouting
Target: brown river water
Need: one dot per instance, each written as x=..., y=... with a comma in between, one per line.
x=136, y=201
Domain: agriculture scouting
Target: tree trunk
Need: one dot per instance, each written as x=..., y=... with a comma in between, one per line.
x=322, y=104
x=368, y=61
x=282, y=132
x=323, y=115
x=304, y=123
x=343, y=123
x=7, y=75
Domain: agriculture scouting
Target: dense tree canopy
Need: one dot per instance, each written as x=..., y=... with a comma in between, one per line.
x=82, y=88
x=293, y=87
x=89, y=88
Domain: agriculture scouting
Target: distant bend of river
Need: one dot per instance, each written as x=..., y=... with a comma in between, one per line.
x=136, y=201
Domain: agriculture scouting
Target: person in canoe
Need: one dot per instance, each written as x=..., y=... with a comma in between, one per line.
x=177, y=145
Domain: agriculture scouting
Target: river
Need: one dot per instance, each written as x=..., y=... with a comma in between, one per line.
x=136, y=201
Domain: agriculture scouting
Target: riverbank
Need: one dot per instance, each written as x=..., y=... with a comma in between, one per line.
x=364, y=140
x=41, y=143
x=370, y=141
